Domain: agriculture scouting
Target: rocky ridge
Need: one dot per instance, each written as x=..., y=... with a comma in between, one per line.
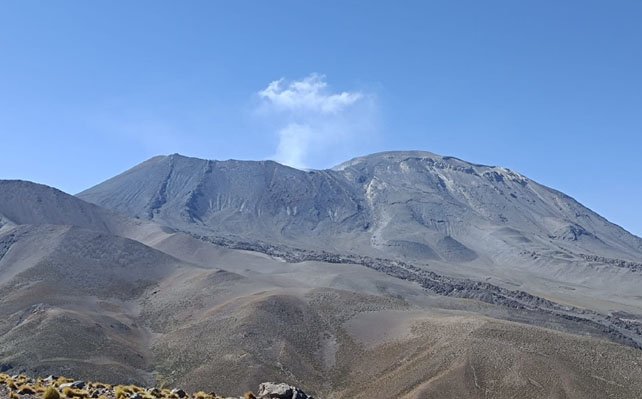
x=624, y=330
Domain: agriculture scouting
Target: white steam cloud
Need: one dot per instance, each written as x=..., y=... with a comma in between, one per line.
x=307, y=95
x=314, y=123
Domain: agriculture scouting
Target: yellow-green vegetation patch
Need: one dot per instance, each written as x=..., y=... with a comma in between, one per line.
x=24, y=387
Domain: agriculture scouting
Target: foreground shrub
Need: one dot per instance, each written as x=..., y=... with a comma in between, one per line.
x=51, y=393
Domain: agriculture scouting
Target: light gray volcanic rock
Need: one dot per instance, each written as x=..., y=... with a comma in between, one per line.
x=27, y=203
x=23, y=202
x=464, y=219
x=271, y=390
x=260, y=200
x=415, y=204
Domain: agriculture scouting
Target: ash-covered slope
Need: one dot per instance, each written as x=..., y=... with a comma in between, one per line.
x=28, y=203
x=415, y=205
x=68, y=301
x=77, y=299
x=258, y=200
x=426, y=194
x=23, y=202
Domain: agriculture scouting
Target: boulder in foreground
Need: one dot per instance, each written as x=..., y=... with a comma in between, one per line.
x=271, y=390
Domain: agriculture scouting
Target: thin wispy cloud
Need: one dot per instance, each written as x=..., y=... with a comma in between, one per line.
x=314, y=122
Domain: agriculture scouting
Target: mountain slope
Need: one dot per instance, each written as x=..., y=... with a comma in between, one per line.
x=75, y=298
x=67, y=298
x=442, y=213
x=408, y=202
x=27, y=203
x=229, y=196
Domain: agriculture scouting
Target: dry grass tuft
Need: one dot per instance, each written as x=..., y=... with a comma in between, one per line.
x=74, y=393
x=23, y=387
x=121, y=392
x=51, y=393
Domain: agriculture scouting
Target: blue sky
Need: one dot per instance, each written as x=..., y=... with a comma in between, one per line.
x=552, y=89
